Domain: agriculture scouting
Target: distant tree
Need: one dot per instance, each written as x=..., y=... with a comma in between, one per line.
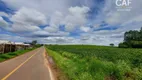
x=27, y=43
x=111, y=44
x=34, y=42
x=133, y=39
x=134, y=35
x=141, y=29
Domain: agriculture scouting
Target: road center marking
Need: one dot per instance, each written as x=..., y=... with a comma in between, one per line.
x=18, y=67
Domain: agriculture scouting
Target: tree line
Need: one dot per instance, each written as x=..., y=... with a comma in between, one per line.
x=34, y=43
x=132, y=39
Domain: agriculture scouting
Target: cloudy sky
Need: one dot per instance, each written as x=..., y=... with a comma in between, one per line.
x=68, y=21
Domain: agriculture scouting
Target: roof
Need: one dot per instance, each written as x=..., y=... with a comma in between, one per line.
x=27, y=44
x=19, y=43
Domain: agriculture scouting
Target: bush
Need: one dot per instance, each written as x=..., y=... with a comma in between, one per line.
x=122, y=45
x=132, y=39
x=131, y=44
x=136, y=44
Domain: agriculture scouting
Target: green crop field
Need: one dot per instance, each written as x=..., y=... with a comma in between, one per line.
x=86, y=62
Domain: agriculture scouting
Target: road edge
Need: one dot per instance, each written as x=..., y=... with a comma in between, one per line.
x=47, y=64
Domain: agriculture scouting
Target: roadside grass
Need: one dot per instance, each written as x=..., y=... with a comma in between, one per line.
x=10, y=55
x=85, y=66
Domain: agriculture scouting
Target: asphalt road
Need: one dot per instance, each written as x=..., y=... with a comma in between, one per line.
x=30, y=66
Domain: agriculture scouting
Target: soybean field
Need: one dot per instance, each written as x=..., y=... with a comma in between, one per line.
x=88, y=62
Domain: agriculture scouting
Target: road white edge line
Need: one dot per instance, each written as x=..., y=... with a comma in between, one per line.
x=49, y=69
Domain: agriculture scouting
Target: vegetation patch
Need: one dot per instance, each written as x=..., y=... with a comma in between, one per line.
x=85, y=62
x=10, y=55
x=132, y=39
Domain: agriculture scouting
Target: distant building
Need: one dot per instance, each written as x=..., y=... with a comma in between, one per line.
x=8, y=46
x=5, y=42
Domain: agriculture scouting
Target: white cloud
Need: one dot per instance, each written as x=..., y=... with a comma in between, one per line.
x=3, y=23
x=47, y=7
x=14, y=38
x=32, y=13
x=56, y=18
x=39, y=34
x=85, y=29
x=20, y=28
x=104, y=37
x=29, y=16
x=135, y=19
x=27, y=20
x=76, y=11
x=51, y=29
x=60, y=40
x=44, y=34
x=114, y=17
x=76, y=17
x=4, y=14
x=69, y=27
x=123, y=20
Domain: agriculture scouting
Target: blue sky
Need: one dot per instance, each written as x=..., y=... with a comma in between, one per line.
x=68, y=22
